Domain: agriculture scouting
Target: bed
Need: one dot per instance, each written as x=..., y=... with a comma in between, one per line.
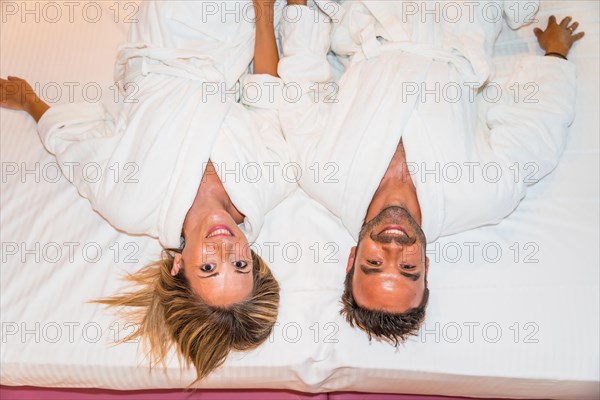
x=514, y=310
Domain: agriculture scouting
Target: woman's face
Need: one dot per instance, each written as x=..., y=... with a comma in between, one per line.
x=217, y=261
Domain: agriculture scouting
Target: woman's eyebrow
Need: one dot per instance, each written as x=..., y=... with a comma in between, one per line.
x=208, y=276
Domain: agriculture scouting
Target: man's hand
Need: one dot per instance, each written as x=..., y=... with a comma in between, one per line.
x=558, y=38
x=17, y=94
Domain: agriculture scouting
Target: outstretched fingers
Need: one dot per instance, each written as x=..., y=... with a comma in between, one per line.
x=578, y=36
x=565, y=22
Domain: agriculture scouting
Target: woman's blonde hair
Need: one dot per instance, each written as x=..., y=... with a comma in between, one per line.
x=167, y=313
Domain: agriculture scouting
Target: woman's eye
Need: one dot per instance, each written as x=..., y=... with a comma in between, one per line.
x=408, y=267
x=241, y=264
x=207, y=268
x=373, y=262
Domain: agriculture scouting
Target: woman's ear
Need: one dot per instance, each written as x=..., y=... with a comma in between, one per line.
x=177, y=263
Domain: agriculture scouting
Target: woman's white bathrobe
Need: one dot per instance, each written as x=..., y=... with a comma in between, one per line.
x=408, y=78
x=142, y=169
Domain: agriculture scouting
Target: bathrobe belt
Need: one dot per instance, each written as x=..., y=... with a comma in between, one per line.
x=137, y=60
x=372, y=47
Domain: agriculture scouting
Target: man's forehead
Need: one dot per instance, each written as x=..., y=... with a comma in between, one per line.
x=386, y=295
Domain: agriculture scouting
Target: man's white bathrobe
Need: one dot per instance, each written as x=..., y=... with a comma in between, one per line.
x=180, y=67
x=412, y=80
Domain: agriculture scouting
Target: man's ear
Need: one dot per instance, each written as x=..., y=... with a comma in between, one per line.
x=426, y=264
x=351, y=258
x=177, y=263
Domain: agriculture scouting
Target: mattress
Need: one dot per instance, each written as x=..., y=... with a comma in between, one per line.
x=514, y=308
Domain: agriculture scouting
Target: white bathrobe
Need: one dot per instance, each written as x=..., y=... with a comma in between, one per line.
x=141, y=169
x=468, y=171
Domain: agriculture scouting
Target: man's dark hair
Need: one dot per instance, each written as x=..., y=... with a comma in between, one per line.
x=393, y=327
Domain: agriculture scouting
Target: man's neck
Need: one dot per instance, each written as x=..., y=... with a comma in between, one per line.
x=211, y=197
x=396, y=189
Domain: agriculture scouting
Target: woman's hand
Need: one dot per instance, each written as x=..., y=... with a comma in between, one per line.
x=14, y=93
x=264, y=3
x=558, y=38
x=17, y=94
x=266, y=56
x=263, y=9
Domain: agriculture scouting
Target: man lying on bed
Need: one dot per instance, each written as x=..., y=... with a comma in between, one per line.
x=404, y=108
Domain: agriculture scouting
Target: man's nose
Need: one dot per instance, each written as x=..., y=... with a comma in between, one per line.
x=394, y=246
x=399, y=249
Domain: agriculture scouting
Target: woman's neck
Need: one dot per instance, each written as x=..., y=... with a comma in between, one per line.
x=211, y=197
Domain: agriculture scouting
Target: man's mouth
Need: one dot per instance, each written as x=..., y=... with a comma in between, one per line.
x=393, y=231
x=219, y=230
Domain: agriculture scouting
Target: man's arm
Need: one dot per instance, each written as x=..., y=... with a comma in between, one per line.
x=529, y=132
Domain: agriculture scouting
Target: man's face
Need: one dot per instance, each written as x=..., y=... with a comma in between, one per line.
x=389, y=262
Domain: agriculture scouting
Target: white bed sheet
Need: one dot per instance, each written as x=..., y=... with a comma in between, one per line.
x=519, y=323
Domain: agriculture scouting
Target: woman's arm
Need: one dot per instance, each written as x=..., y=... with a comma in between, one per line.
x=266, y=56
x=17, y=94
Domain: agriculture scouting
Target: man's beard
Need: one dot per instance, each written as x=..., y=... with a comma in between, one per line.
x=393, y=215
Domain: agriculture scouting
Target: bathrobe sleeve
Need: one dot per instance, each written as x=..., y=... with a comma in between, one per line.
x=262, y=109
x=103, y=158
x=308, y=81
x=532, y=126
x=82, y=137
x=526, y=133
x=141, y=168
x=517, y=135
x=254, y=172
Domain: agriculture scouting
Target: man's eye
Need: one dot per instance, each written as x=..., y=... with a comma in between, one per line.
x=208, y=267
x=373, y=262
x=408, y=267
x=240, y=264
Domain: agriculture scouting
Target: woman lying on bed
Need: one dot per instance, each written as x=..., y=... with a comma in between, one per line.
x=205, y=164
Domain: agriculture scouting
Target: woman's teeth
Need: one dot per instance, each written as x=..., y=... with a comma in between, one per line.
x=220, y=232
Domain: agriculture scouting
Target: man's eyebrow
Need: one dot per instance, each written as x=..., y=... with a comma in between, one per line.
x=412, y=277
x=368, y=271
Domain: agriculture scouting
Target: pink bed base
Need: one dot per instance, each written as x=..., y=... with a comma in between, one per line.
x=38, y=393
